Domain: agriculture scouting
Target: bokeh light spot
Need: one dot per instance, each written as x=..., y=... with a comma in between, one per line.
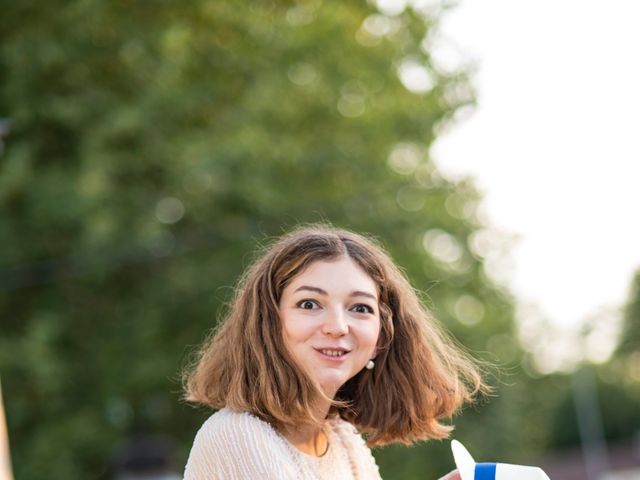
x=169, y=210
x=351, y=106
x=301, y=15
x=391, y=7
x=442, y=246
x=405, y=157
x=303, y=74
x=415, y=76
x=380, y=25
x=459, y=207
x=469, y=310
x=366, y=39
x=197, y=181
x=411, y=198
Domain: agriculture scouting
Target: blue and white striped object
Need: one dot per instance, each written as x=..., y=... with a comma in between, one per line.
x=470, y=470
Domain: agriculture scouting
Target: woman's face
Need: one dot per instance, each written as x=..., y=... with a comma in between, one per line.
x=331, y=321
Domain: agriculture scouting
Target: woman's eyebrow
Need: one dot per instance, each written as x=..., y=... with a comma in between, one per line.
x=359, y=293
x=356, y=293
x=311, y=289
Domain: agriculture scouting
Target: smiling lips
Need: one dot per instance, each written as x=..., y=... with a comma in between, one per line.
x=333, y=353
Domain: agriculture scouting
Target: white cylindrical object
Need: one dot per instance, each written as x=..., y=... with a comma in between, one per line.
x=470, y=470
x=505, y=471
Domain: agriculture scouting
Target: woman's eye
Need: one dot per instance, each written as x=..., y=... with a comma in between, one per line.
x=307, y=304
x=362, y=308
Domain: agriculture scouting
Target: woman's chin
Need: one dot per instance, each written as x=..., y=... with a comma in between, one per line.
x=331, y=384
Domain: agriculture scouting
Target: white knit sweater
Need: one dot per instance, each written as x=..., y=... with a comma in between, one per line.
x=239, y=446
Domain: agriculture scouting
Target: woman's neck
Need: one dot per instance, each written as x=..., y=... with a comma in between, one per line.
x=311, y=439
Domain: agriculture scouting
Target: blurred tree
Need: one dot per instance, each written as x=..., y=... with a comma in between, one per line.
x=622, y=373
x=154, y=143
x=616, y=387
x=618, y=410
x=630, y=339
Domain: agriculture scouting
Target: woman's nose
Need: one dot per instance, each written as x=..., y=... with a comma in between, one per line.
x=335, y=323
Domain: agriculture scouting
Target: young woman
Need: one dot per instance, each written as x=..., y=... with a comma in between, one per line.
x=325, y=340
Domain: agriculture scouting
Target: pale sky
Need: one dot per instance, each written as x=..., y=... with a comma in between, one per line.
x=555, y=149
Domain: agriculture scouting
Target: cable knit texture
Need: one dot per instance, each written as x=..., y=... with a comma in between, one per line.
x=239, y=446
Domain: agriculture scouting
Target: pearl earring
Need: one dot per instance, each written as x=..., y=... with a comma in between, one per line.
x=369, y=365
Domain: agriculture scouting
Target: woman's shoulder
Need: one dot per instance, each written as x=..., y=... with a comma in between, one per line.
x=236, y=445
x=242, y=429
x=227, y=420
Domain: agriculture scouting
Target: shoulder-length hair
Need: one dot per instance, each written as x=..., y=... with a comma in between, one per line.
x=420, y=376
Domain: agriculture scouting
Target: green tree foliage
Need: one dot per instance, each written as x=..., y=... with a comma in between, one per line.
x=153, y=143
x=621, y=375
x=630, y=340
x=619, y=412
x=615, y=387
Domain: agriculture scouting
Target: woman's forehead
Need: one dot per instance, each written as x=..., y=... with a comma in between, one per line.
x=342, y=273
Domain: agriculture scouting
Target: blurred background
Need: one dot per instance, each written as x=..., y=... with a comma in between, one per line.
x=147, y=147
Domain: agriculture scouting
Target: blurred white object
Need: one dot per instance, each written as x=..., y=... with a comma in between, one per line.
x=470, y=470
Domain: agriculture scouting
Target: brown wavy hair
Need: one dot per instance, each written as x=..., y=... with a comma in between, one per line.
x=420, y=376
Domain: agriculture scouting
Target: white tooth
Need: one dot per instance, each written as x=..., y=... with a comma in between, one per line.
x=333, y=353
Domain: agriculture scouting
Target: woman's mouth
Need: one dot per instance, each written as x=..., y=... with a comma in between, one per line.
x=332, y=353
